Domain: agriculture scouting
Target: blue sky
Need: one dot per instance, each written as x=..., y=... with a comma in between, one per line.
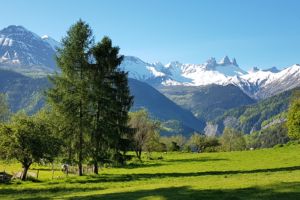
x=262, y=33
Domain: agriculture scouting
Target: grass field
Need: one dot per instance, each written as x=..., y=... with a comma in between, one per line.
x=260, y=174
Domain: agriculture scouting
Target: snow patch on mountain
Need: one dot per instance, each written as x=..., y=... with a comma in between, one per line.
x=176, y=73
x=53, y=43
x=23, y=49
x=256, y=83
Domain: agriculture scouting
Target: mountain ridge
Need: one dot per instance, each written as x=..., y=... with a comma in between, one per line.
x=256, y=83
x=21, y=48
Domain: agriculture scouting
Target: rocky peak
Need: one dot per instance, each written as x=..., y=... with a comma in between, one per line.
x=225, y=61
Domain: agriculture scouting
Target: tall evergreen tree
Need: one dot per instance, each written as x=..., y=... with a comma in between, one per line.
x=69, y=94
x=111, y=100
x=90, y=97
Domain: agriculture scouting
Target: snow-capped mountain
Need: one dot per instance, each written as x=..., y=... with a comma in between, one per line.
x=266, y=83
x=256, y=83
x=176, y=73
x=20, y=47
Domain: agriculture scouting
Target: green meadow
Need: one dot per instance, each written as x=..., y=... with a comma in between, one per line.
x=258, y=174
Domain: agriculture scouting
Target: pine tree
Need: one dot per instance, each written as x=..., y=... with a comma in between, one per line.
x=111, y=100
x=69, y=94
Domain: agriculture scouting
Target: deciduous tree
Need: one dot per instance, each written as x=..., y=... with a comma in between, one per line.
x=28, y=139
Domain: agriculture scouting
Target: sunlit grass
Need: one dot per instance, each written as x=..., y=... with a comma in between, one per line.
x=259, y=174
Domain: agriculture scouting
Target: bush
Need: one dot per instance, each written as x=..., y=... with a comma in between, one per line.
x=174, y=147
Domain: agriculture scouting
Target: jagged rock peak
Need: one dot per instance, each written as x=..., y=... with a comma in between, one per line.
x=234, y=62
x=225, y=61
x=211, y=61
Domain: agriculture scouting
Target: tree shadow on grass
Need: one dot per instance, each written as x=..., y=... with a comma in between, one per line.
x=280, y=191
x=10, y=191
x=42, y=193
x=168, y=162
x=200, y=159
x=133, y=177
x=141, y=165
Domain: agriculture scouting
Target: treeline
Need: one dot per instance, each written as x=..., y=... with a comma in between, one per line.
x=274, y=134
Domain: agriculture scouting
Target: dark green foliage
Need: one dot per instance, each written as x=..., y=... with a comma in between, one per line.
x=110, y=101
x=211, y=144
x=251, y=117
x=70, y=88
x=91, y=98
x=169, y=141
x=207, y=102
x=174, y=147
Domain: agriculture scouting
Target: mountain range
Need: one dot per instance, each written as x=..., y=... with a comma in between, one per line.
x=256, y=83
x=181, y=95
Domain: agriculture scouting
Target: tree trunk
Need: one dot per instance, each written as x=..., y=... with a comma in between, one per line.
x=138, y=153
x=25, y=170
x=95, y=167
x=80, y=173
x=70, y=152
x=97, y=141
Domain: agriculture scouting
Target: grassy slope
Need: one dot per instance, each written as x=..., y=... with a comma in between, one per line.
x=260, y=174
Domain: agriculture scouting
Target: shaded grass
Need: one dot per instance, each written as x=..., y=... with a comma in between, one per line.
x=271, y=193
